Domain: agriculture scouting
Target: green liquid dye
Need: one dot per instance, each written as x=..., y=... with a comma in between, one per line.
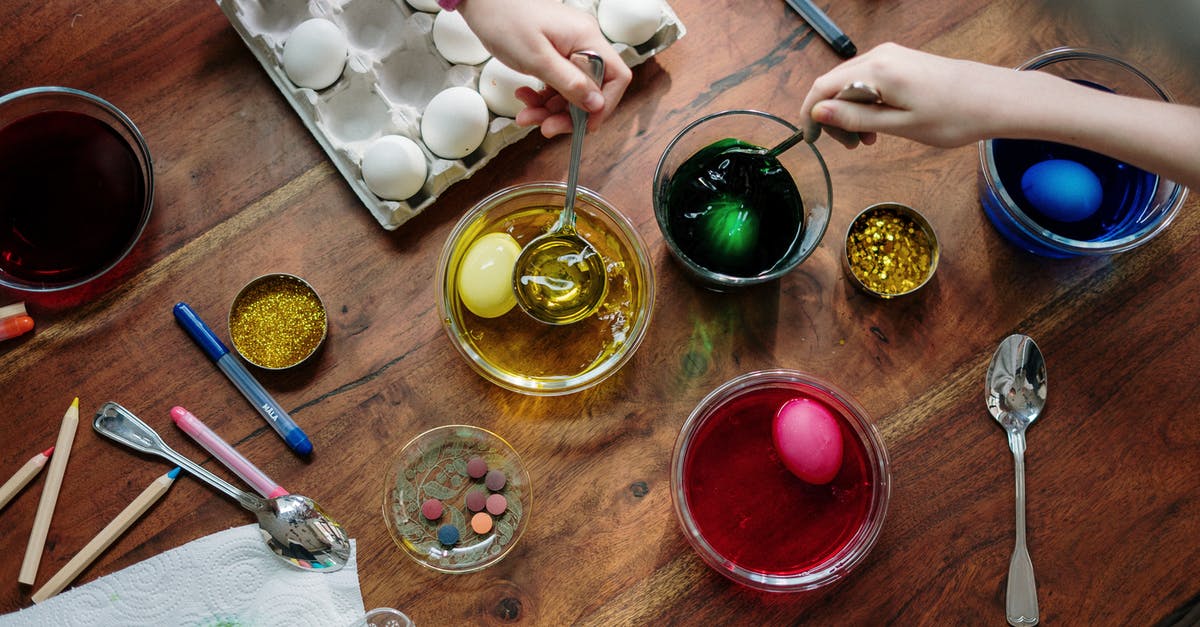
x=733, y=210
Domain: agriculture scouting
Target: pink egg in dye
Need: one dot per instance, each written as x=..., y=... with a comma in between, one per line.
x=809, y=440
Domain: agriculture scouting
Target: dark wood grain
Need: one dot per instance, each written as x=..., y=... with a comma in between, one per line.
x=243, y=189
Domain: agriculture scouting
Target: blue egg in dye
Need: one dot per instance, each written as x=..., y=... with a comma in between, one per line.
x=1062, y=190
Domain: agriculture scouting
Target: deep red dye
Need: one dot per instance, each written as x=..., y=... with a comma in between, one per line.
x=751, y=509
x=71, y=197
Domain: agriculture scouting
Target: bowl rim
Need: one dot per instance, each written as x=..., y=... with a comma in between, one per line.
x=139, y=146
x=1041, y=235
x=922, y=222
x=717, y=278
x=861, y=543
x=558, y=385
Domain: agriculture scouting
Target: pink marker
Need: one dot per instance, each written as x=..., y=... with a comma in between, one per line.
x=227, y=455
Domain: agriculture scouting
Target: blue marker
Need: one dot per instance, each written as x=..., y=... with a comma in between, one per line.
x=250, y=388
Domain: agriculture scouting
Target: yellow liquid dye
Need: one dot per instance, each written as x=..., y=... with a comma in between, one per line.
x=518, y=347
x=563, y=281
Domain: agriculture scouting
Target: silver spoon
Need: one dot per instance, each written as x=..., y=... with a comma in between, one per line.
x=857, y=91
x=293, y=526
x=559, y=278
x=1016, y=394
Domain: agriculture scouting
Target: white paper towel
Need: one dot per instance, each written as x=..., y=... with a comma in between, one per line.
x=228, y=578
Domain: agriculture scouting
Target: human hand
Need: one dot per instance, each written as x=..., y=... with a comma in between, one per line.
x=536, y=37
x=927, y=98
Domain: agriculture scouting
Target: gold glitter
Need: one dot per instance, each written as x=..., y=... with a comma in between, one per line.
x=889, y=252
x=277, y=321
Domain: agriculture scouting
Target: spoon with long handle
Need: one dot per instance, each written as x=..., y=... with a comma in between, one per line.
x=1016, y=394
x=293, y=526
x=559, y=278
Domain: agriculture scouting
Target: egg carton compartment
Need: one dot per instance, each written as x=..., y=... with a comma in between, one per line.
x=393, y=70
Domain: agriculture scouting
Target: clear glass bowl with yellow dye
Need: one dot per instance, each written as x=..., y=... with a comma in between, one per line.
x=514, y=350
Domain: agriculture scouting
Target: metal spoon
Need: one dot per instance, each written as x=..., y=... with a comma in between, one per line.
x=857, y=91
x=293, y=526
x=559, y=278
x=1016, y=394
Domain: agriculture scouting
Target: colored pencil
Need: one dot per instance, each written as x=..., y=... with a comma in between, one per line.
x=107, y=536
x=23, y=476
x=45, y=510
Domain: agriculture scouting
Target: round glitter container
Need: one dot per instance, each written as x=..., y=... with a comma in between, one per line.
x=891, y=250
x=277, y=321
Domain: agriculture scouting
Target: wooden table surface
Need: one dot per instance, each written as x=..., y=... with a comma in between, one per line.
x=243, y=189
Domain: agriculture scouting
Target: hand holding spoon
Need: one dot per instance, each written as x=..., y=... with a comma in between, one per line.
x=293, y=526
x=1016, y=394
x=559, y=278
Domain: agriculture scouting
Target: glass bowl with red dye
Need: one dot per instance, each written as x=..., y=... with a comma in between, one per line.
x=748, y=516
x=76, y=188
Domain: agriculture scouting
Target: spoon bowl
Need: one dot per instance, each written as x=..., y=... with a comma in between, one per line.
x=559, y=278
x=293, y=526
x=1015, y=396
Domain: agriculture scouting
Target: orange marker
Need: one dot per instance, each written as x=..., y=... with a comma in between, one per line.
x=14, y=326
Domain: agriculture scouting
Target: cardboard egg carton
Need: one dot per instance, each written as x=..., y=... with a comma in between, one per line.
x=392, y=71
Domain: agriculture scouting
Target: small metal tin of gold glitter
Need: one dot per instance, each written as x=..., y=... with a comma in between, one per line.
x=277, y=321
x=890, y=250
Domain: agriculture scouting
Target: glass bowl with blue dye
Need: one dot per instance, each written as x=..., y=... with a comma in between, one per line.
x=1061, y=201
x=731, y=216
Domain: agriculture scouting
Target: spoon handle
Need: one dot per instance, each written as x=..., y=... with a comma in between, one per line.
x=1021, y=605
x=592, y=65
x=121, y=425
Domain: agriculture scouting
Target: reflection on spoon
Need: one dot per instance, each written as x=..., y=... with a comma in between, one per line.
x=293, y=526
x=1016, y=394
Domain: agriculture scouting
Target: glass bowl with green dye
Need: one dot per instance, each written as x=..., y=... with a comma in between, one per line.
x=731, y=215
x=433, y=465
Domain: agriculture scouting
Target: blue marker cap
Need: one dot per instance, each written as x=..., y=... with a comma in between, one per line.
x=195, y=327
x=298, y=442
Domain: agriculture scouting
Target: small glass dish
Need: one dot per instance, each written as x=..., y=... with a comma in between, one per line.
x=277, y=321
x=890, y=250
x=517, y=352
x=803, y=162
x=747, y=515
x=1146, y=203
x=55, y=142
x=433, y=465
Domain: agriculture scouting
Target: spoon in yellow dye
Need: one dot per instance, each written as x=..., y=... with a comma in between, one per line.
x=559, y=278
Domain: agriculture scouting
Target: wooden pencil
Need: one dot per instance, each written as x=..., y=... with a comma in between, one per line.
x=23, y=476
x=111, y=532
x=45, y=510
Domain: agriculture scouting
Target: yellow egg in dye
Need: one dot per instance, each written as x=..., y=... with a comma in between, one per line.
x=485, y=283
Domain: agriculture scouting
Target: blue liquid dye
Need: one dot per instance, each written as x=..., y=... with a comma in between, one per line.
x=1124, y=210
x=1127, y=191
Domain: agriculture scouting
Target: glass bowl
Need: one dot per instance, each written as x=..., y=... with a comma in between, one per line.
x=517, y=352
x=1139, y=205
x=747, y=515
x=808, y=172
x=434, y=465
x=76, y=188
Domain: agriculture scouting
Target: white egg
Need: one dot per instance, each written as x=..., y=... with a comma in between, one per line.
x=394, y=167
x=498, y=82
x=455, y=122
x=429, y=6
x=455, y=41
x=315, y=53
x=631, y=22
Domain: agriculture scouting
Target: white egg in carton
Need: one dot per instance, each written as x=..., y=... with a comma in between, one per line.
x=392, y=72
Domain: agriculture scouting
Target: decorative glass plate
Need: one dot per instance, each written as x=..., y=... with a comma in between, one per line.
x=434, y=466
